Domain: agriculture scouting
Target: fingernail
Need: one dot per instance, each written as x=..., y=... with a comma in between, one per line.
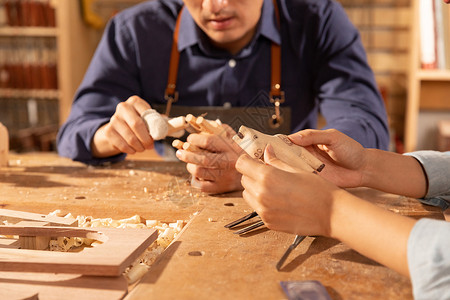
x=178, y=154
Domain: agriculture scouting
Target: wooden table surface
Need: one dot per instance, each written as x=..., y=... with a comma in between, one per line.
x=207, y=261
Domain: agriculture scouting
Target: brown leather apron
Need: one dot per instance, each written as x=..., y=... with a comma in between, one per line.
x=265, y=119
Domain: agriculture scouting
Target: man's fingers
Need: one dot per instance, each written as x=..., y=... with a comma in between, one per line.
x=126, y=133
x=204, y=173
x=139, y=105
x=207, y=159
x=118, y=141
x=128, y=112
x=214, y=143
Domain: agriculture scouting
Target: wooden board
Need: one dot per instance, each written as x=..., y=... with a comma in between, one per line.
x=49, y=286
x=14, y=216
x=119, y=249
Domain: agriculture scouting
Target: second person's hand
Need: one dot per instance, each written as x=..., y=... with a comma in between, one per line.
x=345, y=159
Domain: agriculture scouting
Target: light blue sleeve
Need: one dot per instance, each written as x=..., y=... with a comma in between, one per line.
x=429, y=259
x=437, y=168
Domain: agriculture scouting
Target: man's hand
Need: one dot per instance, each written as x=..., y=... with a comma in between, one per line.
x=126, y=132
x=213, y=166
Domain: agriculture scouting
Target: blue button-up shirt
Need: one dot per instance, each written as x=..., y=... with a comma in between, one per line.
x=323, y=65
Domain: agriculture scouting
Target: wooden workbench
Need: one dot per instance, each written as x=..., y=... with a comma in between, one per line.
x=207, y=261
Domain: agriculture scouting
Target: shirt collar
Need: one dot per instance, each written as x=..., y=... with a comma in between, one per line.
x=190, y=34
x=268, y=26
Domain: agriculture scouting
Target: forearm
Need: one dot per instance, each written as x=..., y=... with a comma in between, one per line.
x=394, y=173
x=371, y=230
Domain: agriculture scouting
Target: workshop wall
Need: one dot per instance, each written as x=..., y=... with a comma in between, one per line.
x=384, y=26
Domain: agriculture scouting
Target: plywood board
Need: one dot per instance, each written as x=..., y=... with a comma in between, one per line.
x=119, y=249
x=49, y=286
x=13, y=216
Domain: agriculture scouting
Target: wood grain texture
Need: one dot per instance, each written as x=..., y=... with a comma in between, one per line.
x=44, y=182
x=210, y=262
x=254, y=143
x=49, y=286
x=14, y=216
x=207, y=261
x=119, y=249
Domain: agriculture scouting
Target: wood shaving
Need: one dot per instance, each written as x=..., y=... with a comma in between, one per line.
x=167, y=232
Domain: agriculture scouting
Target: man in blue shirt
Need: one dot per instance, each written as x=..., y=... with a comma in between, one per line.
x=226, y=58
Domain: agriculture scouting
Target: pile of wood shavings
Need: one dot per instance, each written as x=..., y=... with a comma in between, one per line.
x=167, y=232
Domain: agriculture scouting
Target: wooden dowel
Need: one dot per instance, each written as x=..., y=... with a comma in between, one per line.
x=209, y=126
x=191, y=120
x=178, y=144
x=189, y=147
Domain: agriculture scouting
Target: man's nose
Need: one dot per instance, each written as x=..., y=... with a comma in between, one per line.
x=216, y=6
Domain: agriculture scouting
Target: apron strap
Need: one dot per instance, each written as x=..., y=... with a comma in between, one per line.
x=276, y=94
x=171, y=94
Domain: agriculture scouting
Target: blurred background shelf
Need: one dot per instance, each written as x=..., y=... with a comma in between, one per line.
x=28, y=31
x=428, y=102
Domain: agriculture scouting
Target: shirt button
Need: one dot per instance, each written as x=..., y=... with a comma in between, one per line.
x=232, y=63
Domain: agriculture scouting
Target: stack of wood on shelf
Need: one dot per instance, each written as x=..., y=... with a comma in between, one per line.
x=39, y=13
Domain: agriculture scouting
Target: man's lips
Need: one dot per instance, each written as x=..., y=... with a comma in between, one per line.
x=220, y=23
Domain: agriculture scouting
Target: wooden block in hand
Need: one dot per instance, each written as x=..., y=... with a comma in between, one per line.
x=177, y=126
x=178, y=144
x=254, y=142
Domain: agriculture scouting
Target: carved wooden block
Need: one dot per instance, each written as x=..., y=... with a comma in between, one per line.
x=254, y=142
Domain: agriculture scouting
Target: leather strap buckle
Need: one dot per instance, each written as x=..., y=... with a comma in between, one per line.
x=276, y=119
